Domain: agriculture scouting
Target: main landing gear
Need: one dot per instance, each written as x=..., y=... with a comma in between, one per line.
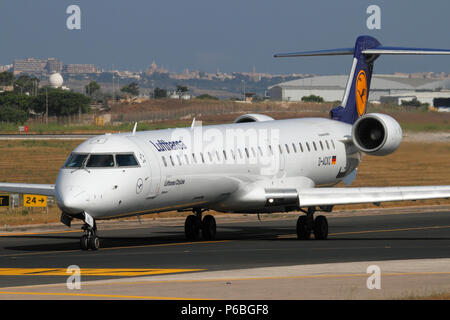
x=307, y=224
x=89, y=240
x=194, y=224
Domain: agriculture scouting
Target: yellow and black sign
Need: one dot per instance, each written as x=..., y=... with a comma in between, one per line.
x=4, y=200
x=33, y=200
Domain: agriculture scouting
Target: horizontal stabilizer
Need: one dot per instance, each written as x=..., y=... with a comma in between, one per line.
x=332, y=52
x=401, y=50
x=377, y=50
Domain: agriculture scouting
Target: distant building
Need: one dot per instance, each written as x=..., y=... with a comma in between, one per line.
x=6, y=67
x=54, y=65
x=155, y=69
x=384, y=88
x=249, y=96
x=6, y=88
x=80, y=68
x=30, y=65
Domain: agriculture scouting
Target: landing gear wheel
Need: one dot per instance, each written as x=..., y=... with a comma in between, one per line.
x=89, y=240
x=192, y=228
x=303, y=232
x=94, y=242
x=84, y=242
x=209, y=228
x=321, y=228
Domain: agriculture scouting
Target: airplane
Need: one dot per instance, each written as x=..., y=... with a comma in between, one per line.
x=254, y=165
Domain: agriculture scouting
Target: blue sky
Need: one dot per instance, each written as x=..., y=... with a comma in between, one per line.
x=230, y=35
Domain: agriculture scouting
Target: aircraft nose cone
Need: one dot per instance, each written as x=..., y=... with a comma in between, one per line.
x=70, y=199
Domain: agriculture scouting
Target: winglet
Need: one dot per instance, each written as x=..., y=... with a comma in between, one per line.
x=134, y=129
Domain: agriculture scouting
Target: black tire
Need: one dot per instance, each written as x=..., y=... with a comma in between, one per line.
x=303, y=232
x=192, y=228
x=84, y=242
x=321, y=228
x=94, y=243
x=209, y=228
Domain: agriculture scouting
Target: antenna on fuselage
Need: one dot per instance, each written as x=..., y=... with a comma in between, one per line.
x=134, y=129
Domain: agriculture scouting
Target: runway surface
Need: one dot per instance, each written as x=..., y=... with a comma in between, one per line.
x=245, y=247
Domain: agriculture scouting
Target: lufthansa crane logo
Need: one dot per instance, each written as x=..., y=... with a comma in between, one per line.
x=361, y=92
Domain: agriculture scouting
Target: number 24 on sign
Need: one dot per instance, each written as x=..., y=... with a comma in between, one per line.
x=32, y=200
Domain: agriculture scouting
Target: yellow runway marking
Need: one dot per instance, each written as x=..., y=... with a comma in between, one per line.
x=372, y=231
x=89, y=272
x=167, y=244
x=390, y=230
x=12, y=234
x=112, y=248
x=88, y=295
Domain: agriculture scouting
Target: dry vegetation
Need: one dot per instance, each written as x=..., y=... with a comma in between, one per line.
x=213, y=112
x=38, y=161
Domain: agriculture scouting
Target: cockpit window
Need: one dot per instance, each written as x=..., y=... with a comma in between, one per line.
x=75, y=160
x=126, y=160
x=100, y=161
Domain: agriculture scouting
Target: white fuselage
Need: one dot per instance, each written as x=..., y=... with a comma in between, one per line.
x=222, y=167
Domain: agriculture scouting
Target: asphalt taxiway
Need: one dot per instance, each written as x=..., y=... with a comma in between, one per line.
x=249, y=259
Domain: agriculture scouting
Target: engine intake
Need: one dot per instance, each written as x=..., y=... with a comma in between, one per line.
x=377, y=134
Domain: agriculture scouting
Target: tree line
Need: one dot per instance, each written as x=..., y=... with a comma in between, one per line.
x=27, y=99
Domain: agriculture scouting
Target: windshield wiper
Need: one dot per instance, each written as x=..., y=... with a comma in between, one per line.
x=82, y=166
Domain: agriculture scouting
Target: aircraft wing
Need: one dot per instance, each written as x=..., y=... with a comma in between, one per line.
x=40, y=189
x=336, y=196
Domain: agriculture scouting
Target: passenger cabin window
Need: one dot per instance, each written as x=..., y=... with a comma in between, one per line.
x=301, y=147
x=314, y=144
x=321, y=145
x=307, y=145
x=126, y=160
x=164, y=160
x=328, y=146
x=75, y=160
x=293, y=147
x=332, y=142
x=100, y=161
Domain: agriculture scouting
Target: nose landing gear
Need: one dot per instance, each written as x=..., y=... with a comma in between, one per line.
x=90, y=239
x=194, y=224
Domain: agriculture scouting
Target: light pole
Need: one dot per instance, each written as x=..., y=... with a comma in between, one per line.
x=46, y=106
x=21, y=88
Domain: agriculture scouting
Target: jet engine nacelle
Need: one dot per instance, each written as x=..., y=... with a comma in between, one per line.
x=377, y=134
